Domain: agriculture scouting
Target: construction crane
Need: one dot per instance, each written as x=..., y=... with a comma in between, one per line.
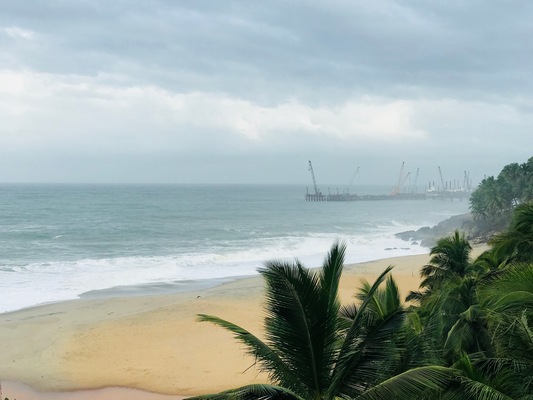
x=416, y=179
x=317, y=192
x=441, y=179
x=466, y=183
x=406, y=176
x=355, y=174
x=396, y=189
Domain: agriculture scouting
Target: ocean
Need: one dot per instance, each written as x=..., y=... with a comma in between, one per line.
x=65, y=241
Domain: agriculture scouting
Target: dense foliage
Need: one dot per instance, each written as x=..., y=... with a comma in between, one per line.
x=478, y=314
x=493, y=202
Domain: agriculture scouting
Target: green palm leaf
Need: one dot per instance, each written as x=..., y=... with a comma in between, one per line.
x=516, y=243
x=417, y=383
x=373, y=357
x=513, y=288
x=302, y=317
x=469, y=389
x=269, y=361
x=350, y=351
x=252, y=392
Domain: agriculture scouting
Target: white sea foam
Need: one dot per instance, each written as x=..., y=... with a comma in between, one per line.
x=54, y=281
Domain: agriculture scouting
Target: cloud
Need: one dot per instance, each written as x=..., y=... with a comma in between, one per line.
x=77, y=110
x=18, y=33
x=385, y=80
x=280, y=51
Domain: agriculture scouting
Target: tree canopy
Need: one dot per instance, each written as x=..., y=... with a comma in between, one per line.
x=492, y=203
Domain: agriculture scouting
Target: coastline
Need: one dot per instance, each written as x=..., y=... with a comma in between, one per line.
x=72, y=350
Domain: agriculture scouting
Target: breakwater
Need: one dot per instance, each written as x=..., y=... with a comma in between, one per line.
x=443, y=195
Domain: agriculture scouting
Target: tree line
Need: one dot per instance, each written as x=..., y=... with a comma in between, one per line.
x=493, y=202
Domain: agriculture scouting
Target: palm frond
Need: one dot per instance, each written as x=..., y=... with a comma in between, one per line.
x=514, y=374
x=269, y=360
x=417, y=383
x=348, y=312
x=302, y=317
x=351, y=334
x=288, y=327
x=513, y=287
x=349, y=351
x=330, y=273
x=330, y=276
x=516, y=243
x=469, y=389
x=415, y=296
x=374, y=356
x=252, y=392
x=383, y=301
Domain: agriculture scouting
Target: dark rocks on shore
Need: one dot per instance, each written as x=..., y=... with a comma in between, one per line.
x=428, y=236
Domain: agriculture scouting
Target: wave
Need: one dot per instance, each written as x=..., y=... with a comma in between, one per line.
x=37, y=283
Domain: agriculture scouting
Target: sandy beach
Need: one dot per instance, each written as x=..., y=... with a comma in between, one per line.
x=149, y=347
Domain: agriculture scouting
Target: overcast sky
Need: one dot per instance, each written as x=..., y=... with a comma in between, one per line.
x=249, y=91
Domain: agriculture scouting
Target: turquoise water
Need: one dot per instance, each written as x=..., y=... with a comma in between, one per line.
x=60, y=241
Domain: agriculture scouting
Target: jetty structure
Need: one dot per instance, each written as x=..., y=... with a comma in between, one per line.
x=449, y=190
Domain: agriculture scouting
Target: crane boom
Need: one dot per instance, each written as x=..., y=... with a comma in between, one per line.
x=416, y=179
x=441, y=179
x=466, y=183
x=404, y=178
x=355, y=174
x=396, y=189
x=313, y=176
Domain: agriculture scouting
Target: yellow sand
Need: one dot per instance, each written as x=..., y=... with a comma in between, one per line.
x=149, y=343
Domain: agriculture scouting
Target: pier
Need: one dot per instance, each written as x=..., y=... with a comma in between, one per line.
x=368, y=197
x=442, y=195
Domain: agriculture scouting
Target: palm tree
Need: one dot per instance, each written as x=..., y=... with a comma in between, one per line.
x=516, y=243
x=465, y=324
x=480, y=324
x=450, y=260
x=313, y=349
x=508, y=305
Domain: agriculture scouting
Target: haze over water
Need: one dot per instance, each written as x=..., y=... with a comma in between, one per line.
x=59, y=241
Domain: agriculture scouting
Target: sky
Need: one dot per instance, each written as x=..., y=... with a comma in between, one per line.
x=174, y=91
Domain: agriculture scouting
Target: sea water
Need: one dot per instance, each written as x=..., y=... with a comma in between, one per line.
x=63, y=241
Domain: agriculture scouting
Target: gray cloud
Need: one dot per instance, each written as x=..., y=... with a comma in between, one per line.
x=134, y=90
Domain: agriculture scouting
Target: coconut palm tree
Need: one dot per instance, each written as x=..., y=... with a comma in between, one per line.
x=450, y=261
x=508, y=305
x=481, y=324
x=313, y=349
x=465, y=320
x=516, y=243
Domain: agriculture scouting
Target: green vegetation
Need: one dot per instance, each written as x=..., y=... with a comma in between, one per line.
x=494, y=200
x=476, y=314
x=467, y=333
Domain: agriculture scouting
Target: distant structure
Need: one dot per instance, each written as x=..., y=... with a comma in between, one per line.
x=318, y=193
x=448, y=191
x=403, y=177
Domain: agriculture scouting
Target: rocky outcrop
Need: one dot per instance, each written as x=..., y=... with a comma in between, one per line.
x=428, y=236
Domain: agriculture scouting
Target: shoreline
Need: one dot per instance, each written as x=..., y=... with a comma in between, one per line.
x=72, y=350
